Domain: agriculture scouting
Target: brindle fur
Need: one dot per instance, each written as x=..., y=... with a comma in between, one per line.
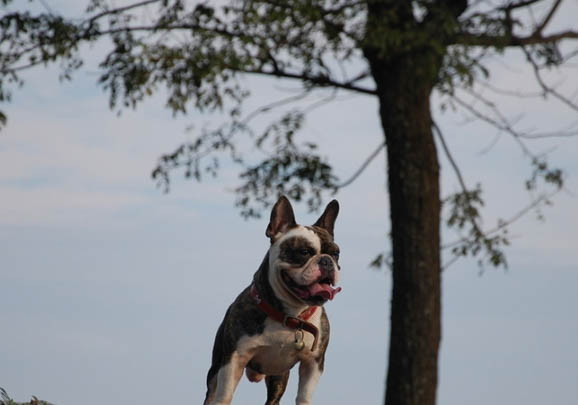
x=298, y=250
x=276, y=385
x=244, y=318
x=327, y=245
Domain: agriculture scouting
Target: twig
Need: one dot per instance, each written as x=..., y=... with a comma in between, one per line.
x=511, y=220
x=450, y=158
x=520, y=4
x=322, y=101
x=362, y=167
x=121, y=9
x=490, y=145
x=275, y=104
x=458, y=173
x=46, y=6
x=547, y=19
x=454, y=259
x=504, y=125
x=475, y=39
x=569, y=131
x=547, y=89
x=512, y=93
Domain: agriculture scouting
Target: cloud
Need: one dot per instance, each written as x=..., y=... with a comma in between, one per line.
x=115, y=290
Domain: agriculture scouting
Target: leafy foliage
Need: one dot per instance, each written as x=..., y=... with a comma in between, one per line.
x=198, y=53
x=289, y=170
x=541, y=170
x=464, y=213
x=6, y=400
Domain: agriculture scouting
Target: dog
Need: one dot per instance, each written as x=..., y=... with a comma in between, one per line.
x=279, y=320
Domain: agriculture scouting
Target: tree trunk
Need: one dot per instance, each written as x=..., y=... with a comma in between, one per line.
x=413, y=173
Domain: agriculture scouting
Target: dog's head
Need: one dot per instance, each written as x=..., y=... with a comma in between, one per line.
x=303, y=260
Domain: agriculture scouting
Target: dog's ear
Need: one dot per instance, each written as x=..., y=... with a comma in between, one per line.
x=282, y=218
x=327, y=219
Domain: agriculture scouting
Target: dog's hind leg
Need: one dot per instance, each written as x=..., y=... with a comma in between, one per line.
x=211, y=385
x=276, y=385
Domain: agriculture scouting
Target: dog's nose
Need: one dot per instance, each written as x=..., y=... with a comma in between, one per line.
x=325, y=263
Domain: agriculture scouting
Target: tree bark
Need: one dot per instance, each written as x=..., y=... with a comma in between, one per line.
x=413, y=174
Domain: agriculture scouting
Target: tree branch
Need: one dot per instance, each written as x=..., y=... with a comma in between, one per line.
x=275, y=104
x=121, y=9
x=322, y=81
x=501, y=123
x=463, y=211
x=458, y=173
x=319, y=80
x=510, y=93
x=448, y=154
x=520, y=4
x=511, y=40
x=540, y=28
x=362, y=167
x=545, y=88
x=505, y=223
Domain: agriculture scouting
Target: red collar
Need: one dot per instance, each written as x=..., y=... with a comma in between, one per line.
x=299, y=322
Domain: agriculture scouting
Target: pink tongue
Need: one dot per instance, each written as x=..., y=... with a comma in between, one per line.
x=324, y=291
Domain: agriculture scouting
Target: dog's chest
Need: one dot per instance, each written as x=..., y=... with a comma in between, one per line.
x=276, y=350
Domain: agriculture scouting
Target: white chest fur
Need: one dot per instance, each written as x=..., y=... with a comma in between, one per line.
x=275, y=350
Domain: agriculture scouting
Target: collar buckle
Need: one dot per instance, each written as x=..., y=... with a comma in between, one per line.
x=293, y=322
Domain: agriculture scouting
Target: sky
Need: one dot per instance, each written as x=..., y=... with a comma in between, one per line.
x=111, y=291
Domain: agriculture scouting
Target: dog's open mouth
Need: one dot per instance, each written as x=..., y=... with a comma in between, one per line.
x=316, y=293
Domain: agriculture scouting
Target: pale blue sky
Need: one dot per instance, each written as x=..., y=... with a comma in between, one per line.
x=111, y=291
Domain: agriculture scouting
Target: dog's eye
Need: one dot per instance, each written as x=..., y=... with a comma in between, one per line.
x=335, y=255
x=304, y=252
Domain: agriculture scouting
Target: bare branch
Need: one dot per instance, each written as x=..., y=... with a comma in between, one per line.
x=362, y=167
x=446, y=265
x=502, y=224
x=568, y=131
x=359, y=77
x=46, y=6
x=520, y=4
x=320, y=80
x=558, y=134
x=457, y=171
x=20, y=68
x=464, y=210
x=121, y=9
x=451, y=160
x=483, y=40
x=545, y=88
x=322, y=101
x=511, y=93
x=501, y=123
x=540, y=28
x=275, y=104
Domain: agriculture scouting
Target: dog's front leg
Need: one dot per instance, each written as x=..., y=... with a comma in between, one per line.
x=309, y=373
x=227, y=379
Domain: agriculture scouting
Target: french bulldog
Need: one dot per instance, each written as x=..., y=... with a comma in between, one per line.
x=279, y=319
